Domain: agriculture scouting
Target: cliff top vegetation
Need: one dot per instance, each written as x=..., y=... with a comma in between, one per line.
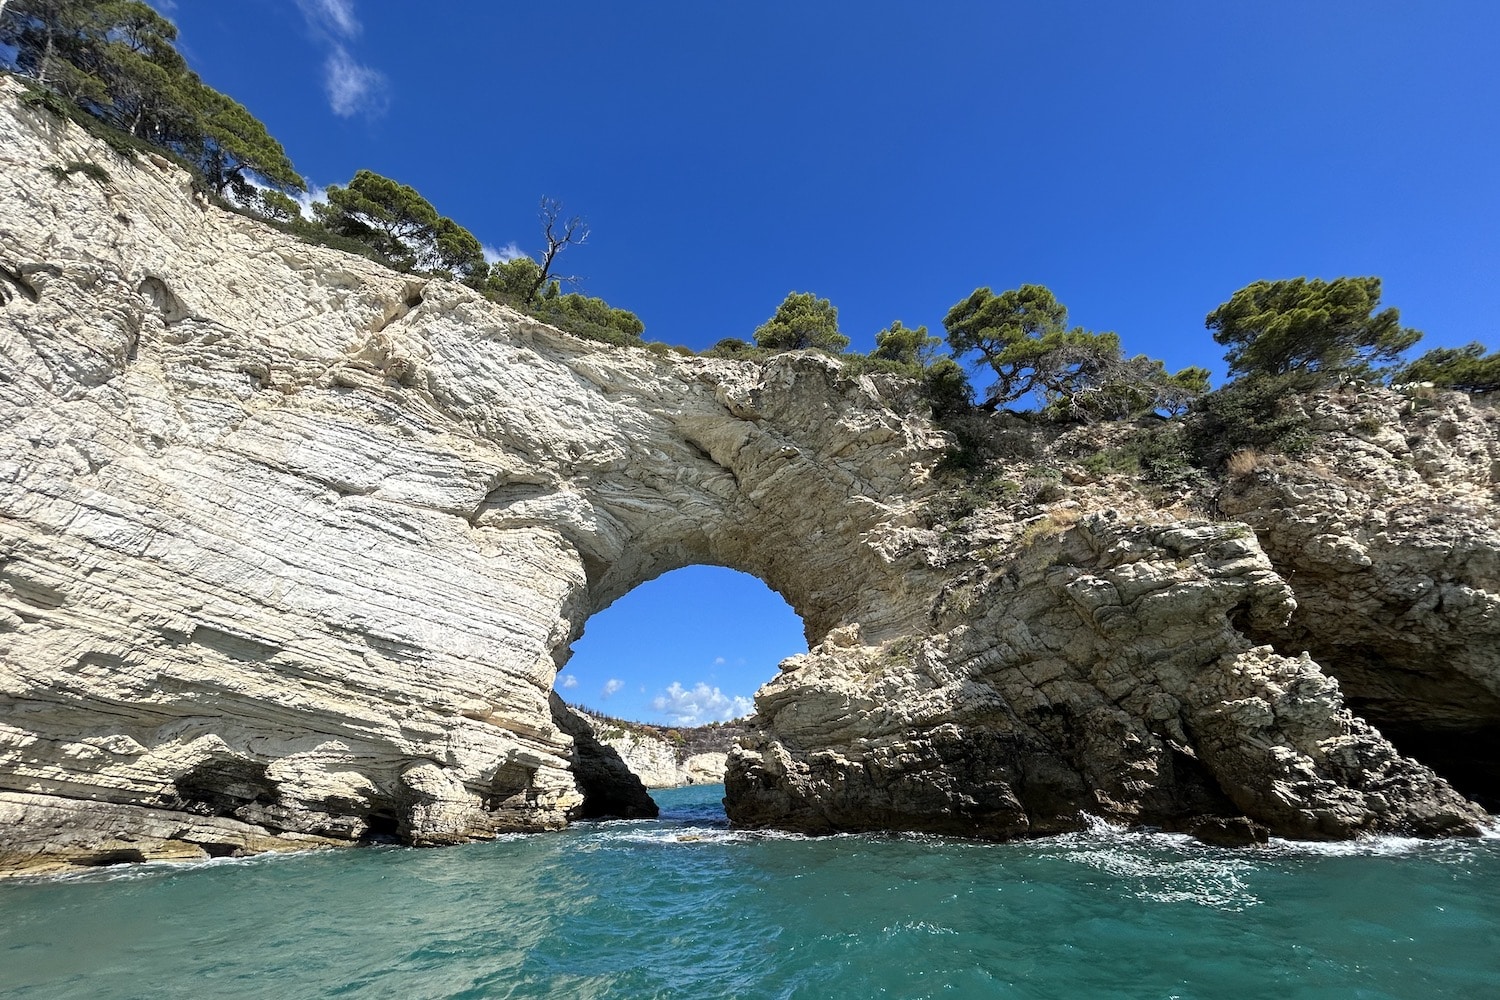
x=113, y=66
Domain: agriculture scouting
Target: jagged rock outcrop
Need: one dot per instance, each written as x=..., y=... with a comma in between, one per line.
x=1092, y=668
x=1388, y=528
x=292, y=546
x=608, y=783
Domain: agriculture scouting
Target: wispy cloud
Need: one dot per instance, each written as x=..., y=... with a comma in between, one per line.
x=352, y=87
x=611, y=686
x=336, y=16
x=504, y=254
x=569, y=681
x=700, y=704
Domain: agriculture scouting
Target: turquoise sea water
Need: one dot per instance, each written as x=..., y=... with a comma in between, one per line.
x=684, y=907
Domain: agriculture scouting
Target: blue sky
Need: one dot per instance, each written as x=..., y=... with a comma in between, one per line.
x=1143, y=160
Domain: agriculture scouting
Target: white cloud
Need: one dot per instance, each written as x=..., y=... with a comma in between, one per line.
x=334, y=16
x=569, y=681
x=684, y=707
x=611, y=686
x=718, y=661
x=353, y=88
x=314, y=195
x=504, y=255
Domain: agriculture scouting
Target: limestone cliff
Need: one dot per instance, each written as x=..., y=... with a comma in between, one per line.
x=296, y=541
x=656, y=761
x=292, y=546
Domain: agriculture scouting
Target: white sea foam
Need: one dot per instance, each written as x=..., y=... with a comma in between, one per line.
x=128, y=871
x=687, y=836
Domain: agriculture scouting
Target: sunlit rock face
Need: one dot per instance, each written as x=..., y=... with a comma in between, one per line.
x=294, y=540
x=292, y=546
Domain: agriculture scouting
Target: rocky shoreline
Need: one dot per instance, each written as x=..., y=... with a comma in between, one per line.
x=293, y=546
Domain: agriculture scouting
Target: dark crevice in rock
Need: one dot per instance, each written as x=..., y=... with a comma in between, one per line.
x=609, y=787
x=26, y=288
x=382, y=825
x=1467, y=758
x=117, y=856
x=414, y=298
x=215, y=849
x=226, y=786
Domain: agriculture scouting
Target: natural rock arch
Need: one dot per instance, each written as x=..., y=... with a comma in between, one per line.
x=296, y=544
x=293, y=546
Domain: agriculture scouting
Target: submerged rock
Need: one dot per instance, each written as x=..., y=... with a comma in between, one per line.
x=293, y=546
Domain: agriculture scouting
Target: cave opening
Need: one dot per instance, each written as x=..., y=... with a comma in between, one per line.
x=1468, y=758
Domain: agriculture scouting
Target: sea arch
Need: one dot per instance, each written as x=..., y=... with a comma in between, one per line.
x=790, y=471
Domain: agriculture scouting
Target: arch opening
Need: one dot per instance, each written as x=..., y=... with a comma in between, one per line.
x=654, y=691
x=684, y=649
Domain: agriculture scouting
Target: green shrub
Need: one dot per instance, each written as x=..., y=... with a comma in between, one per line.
x=1259, y=412
x=92, y=171
x=1111, y=460
x=735, y=349
x=855, y=365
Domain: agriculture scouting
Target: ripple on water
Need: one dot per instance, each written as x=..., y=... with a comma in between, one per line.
x=683, y=906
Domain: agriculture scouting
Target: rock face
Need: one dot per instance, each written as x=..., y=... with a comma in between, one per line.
x=291, y=539
x=609, y=784
x=1389, y=530
x=292, y=547
x=1095, y=669
x=654, y=761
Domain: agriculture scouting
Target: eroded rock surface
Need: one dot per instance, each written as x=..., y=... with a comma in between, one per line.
x=292, y=546
x=653, y=759
x=1094, y=669
x=292, y=539
x=609, y=784
x=1389, y=530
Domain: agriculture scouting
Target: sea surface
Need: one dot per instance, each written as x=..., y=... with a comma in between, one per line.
x=682, y=906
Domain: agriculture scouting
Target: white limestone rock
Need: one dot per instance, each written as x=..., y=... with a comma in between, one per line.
x=292, y=547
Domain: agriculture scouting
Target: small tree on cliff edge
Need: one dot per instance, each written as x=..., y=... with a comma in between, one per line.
x=1023, y=336
x=1467, y=368
x=802, y=321
x=401, y=225
x=906, y=346
x=1312, y=326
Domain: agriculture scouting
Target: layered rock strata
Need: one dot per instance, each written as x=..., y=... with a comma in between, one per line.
x=290, y=539
x=292, y=546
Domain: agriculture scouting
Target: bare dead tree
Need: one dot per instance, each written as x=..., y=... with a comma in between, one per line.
x=560, y=235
